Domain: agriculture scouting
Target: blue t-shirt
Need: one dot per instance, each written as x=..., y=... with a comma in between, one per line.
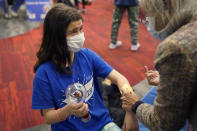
x=49, y=89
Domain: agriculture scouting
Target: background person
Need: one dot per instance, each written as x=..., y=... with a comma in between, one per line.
x=133, y=13
x=83, y=5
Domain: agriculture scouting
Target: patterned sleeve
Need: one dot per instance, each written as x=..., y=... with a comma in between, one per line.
x=171, y=104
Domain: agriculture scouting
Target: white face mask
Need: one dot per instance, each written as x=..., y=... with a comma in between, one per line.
x=160, y=35
x=75, y=43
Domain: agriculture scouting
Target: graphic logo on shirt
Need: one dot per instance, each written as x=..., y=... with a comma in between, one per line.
x=89, y=91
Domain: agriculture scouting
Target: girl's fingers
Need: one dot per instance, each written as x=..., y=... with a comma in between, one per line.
x=78, y=105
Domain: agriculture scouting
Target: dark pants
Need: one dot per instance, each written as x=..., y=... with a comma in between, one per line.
x=77, y=4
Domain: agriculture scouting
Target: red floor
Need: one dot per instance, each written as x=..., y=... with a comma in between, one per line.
x=17, y=57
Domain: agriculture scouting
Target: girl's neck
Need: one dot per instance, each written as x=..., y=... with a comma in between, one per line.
x=72, y=59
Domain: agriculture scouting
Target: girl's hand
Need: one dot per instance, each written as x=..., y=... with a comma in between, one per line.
x=80, y=109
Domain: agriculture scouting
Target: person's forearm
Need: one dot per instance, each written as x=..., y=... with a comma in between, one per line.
x=118, y=79
x=154, y=119
x=122, y=81
x=131, y=121
x=55, y=116
x=123, y=85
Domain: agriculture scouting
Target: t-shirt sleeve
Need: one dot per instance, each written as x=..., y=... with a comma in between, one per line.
x=101, y=68
x=42, y=97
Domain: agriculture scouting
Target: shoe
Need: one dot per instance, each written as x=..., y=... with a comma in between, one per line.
x=135, y=47
x=6, y=15
x=113, y=46
x=83, y=11
x=13, y=13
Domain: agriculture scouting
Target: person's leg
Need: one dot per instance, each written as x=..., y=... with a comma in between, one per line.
x=83, y=4
x=133, y=15
x=117, y=17
x=3, y=4
x=111, y=127
x=5, y=9
x=67, y=2
x=17, y=5
x=77, y=4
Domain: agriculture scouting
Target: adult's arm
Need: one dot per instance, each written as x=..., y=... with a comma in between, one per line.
x=172, y=102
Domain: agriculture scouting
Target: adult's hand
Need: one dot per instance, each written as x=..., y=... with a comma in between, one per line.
x=128, y=100
x=153, y=77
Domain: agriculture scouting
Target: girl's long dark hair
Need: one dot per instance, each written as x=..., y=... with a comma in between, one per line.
x=54, y=46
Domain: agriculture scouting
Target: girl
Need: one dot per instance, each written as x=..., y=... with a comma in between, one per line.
x=61, y=62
